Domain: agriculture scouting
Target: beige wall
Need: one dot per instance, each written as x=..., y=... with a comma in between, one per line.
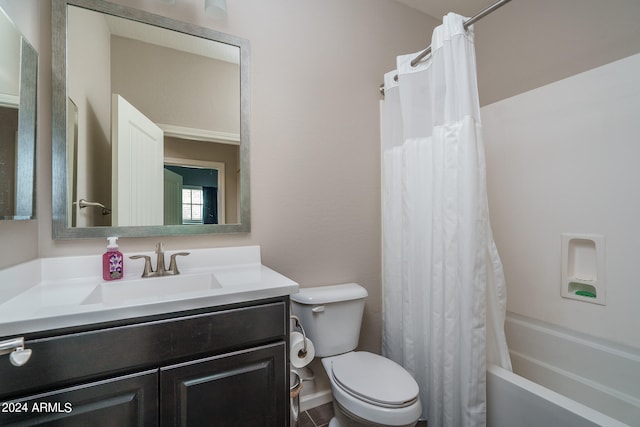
x=530, y=43
x=196, y=92
x=315, y=70
x=89, y=86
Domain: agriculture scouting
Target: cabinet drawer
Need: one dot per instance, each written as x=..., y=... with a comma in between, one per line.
x=75, y=357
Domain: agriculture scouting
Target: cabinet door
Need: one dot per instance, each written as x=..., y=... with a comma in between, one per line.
x=130, y=400
x=244, y=388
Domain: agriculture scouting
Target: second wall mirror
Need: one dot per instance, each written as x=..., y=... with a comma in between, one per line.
x=18, y=108
x=150, y=124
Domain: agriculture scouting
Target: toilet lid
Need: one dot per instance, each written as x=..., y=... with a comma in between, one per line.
x=375, y=379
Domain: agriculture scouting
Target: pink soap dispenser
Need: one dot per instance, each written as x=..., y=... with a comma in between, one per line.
x=112, y=261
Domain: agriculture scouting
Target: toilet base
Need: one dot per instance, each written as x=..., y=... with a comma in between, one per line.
x=343, y=418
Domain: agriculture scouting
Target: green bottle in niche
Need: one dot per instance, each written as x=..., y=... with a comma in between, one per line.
x=112, y=261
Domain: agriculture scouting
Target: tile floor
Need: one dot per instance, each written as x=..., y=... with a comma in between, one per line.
x=321, y=415
x=316, y=417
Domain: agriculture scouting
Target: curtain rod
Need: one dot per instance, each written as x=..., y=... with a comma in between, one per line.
x=478, y=16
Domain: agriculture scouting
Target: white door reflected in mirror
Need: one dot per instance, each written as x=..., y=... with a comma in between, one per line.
x=137, y=167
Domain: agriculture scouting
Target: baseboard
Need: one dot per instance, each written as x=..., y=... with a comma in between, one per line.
x=315, y=399
x=316, y=387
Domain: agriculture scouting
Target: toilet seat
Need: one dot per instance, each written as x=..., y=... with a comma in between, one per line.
x=374, y=379
x=399, y=405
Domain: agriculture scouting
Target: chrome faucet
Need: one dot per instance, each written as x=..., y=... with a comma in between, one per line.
x=160, y=268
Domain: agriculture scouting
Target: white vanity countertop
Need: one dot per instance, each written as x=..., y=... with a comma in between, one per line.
x=53, y=293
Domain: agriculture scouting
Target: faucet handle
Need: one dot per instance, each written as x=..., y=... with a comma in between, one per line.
x=159, y=247
x=148, y=269
x=173, y=265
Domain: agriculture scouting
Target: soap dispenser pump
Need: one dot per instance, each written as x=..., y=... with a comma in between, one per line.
x=112, y=261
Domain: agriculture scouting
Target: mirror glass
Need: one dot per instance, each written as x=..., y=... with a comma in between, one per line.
x=18, y=80
x=150, y=124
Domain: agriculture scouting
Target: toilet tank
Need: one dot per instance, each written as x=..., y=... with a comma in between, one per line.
x=331, y=316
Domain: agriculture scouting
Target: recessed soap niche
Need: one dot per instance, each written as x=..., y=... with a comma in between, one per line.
x=583, y=268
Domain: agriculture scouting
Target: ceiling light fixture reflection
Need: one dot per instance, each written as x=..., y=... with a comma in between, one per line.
x=216, y=8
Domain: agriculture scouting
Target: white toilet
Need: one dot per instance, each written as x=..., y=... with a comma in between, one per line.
x=368, y=389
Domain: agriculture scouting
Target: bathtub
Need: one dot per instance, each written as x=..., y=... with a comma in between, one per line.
x=563, y=378
x=515, y=401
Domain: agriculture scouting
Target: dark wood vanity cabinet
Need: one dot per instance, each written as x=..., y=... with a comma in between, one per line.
x=218, y=367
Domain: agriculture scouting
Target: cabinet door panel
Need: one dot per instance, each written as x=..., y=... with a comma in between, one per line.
x=130, y=400
x=245, y=388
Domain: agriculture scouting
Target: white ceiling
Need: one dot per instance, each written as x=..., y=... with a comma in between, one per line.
x=529, y=43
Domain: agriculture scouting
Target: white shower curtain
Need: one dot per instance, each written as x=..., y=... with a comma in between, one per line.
x=443, y=285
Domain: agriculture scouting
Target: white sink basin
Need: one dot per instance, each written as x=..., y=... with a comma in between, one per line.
x=151, y=289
